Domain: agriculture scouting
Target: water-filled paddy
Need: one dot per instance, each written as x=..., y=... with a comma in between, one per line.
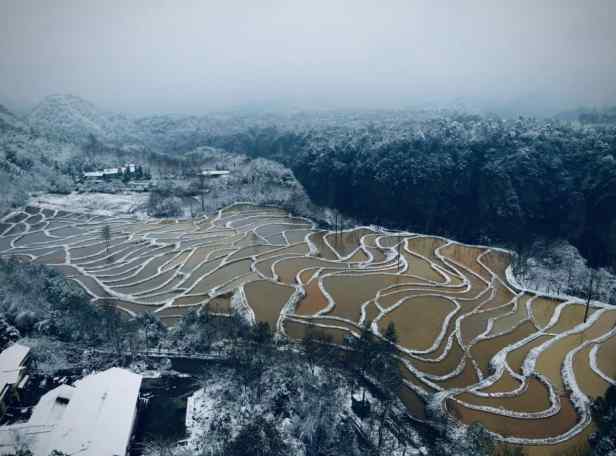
x=461, y=325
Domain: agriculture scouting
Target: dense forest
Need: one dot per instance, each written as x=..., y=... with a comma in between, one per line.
x=475, y=179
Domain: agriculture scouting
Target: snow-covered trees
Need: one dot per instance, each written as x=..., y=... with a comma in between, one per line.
x=39, y=301
x=301, y=412
x=603, y=442
x=8, y=333
x=258, y=438
x=558, y=268
x=164, y=202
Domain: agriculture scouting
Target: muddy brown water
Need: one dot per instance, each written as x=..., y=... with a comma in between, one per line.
x=221, y=275
x=267, y=299
x=346, y=242
x=468, y=257
x=181, y=263
x=511, y=320
x=323, y=250
x=535, y=398
x=445, y=366
x=476, y=324
x=297, y=235
x=542, y=309
x=147, y=285
x=552, y=426
x=591, y=383
x=605, y=357
x=484, y=350
x=506, y=383
x=421, y=267
x=516, y=357
x=287, y=269
x=150, y=269
x=160, y=297
x=418, y=320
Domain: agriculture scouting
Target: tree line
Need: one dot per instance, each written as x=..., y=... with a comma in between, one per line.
x=473, y=178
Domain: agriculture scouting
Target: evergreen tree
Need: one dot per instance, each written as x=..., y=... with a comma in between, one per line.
x=603, y=442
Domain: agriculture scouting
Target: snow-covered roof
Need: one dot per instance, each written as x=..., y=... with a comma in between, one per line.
x=11, y=361
x=94, y=174
x=111, y=171
x=215, y=172
x=51, y=406
x=99, y=418
x=17, y=434
x=35, y=433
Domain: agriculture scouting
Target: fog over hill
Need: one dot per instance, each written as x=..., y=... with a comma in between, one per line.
x=511, y=58
x=73, y=119
x=9, y=121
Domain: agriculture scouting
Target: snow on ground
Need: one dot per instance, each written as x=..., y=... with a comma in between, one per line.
x=295, y=398
x=559, y=269
x=95, y=203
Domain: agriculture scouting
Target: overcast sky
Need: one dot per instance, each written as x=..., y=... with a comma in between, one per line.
x=141, y=56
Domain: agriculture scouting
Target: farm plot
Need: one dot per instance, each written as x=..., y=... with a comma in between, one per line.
x=470, y=341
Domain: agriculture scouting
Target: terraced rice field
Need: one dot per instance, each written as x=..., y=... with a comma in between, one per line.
x=472, y=343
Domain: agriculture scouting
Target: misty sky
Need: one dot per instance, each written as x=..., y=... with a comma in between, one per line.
x=141, y=56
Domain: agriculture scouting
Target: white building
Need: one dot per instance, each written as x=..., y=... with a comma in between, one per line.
x=12, y=369
x=93, y=174
x=112, y=172
x=95, y=417
x=214, y=172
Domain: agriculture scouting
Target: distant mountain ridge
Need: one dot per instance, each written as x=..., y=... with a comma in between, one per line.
x=590, y=115
x=9, y=121
x=30, y=162
x=69, y=118
x=72, y=119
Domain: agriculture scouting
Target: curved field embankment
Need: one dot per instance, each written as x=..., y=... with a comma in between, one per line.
x=471, y=342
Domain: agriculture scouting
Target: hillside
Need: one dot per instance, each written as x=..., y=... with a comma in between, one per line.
x=72, y=119
x=29, y=162
x=9, y=121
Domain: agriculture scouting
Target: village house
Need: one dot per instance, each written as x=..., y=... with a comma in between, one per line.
x=131, y=168
x=215, y=172
x=95, y=417
x=13, y=362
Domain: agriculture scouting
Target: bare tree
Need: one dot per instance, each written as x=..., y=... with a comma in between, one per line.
x=106, y=235
x=594, y=283
x=159, y=446
x=202, y=188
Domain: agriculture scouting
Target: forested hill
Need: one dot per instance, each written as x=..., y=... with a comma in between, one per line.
x=471, y=178
x=29, y=162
